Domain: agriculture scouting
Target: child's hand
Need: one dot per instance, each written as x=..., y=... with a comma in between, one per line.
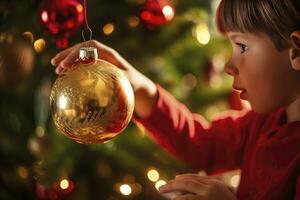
x=144, y=89
x=195, y=187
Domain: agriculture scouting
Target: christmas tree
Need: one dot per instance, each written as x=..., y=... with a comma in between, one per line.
x=175, y=44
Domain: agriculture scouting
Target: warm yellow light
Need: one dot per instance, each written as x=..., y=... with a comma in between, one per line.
x=133, y=21
x=125, y=189
x=168, y=12
x=40, y=131
x=79, y=8
x=235, y=180
x=108, y=29
x=34, y=145
x=64, y=184
x=29, y=36
x=160, y=183
x=39, y=45
x=202, y=34
x=23, y=172
x=44, y=16
x=153, y=175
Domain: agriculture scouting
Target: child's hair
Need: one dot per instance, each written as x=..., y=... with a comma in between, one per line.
x=277, y=18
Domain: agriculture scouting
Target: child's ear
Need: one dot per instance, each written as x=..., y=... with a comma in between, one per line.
x=294, y=51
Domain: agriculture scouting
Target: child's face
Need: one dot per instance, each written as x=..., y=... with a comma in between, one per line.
x=263, y=73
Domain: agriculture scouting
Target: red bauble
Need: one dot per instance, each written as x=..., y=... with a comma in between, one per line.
x=56, y=192
x=60, y=18
x=157, y=12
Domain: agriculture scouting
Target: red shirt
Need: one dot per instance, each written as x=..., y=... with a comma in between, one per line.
x=265, y=147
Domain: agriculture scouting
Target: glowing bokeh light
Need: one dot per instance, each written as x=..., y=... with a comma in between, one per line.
x=153, y=175
x=160, y=183
x=125, y=189
x=202, y=34
x=108, y=29
x=39, y=45
x=64, y=184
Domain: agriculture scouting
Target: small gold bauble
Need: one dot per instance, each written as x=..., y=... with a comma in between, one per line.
x=93, y=102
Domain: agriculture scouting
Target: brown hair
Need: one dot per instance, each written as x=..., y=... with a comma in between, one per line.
x=277, y=18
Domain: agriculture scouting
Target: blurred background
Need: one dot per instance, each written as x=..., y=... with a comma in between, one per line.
x=173, y=42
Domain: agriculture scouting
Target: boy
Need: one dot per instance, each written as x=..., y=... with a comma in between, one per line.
x=264, y=142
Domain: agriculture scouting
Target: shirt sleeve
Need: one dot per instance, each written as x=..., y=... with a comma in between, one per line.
x=214, y=147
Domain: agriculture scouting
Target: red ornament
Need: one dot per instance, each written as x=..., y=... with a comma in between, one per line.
x=56, y=192
x=60, y=18
x=157, y=12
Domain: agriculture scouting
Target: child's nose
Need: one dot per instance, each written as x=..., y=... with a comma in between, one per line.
x=231, y=69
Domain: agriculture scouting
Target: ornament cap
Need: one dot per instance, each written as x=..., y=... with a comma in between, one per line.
x=88, y=53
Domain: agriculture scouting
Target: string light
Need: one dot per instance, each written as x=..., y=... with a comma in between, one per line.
x=40, y=131
x=202, y=34
x=168, y=12
x=133, y=21
x=44, y=16
x=39, y=45
x=79, y=8
x=153, y=175
x=64, y=184
x=29, y=36
x=160, y=183
x=125, y=189
x=34, y=145
x=108, y=29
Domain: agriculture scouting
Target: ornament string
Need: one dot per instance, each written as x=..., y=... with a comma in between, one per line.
x=87, y=27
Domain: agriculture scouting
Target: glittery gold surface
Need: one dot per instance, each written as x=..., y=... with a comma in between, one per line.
x=92, y=103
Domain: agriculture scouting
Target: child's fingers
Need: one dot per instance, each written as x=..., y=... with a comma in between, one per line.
x=198, y=180
x=61, y=55
x=58, y=57
x=69, y=60
x=182, y=185
x=58, y=70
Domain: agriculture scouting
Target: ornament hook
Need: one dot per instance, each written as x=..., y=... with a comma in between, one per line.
x=90, y=32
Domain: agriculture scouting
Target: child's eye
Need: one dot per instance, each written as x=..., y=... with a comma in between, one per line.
x=243, y=47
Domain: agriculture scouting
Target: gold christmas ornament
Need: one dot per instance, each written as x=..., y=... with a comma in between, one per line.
x=93, y=102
